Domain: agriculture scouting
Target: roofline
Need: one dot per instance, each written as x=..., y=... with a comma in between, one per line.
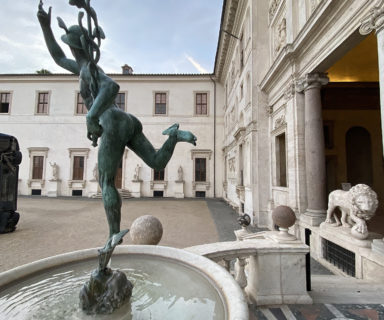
x=111, y=75
x=219, y=39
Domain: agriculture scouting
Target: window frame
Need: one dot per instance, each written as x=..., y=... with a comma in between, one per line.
x=37, y=175
x=201, y=153
x=77, y=96
x=9, y=101
x=34, y=152
x=158, y=172
x=166, y=103
x=125, y=100
x=279, y=181
x=195, y=93
x=38, y=93
x=76, y=170
x=200, y=171
x=77, y=152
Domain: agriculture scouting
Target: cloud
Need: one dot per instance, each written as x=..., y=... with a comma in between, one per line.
x=196, y=64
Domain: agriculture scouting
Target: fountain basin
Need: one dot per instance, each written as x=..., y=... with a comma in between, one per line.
x=169, y=284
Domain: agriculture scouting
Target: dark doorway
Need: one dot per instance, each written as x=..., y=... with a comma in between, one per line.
x=359, y=156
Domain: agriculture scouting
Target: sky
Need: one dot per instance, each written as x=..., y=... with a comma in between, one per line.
x=152, y=36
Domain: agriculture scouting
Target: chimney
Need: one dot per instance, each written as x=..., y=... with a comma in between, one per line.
x=126, y=69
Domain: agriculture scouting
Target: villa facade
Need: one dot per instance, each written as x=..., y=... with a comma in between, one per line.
x=291, y=112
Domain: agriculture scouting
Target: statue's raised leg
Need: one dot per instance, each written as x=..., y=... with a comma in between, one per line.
x=159, y=159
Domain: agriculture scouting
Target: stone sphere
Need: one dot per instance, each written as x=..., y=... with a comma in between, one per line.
x=146, y=230
x=283, y=216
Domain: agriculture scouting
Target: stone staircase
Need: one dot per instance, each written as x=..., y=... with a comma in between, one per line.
x=124, y=194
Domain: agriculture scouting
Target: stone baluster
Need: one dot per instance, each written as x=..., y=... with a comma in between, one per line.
x=240, y=275
x=314, y=148
x=375, y=21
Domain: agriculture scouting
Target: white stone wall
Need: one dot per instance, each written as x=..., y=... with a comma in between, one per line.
x=62, y=130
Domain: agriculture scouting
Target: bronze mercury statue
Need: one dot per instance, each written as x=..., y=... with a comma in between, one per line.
x=115, y=128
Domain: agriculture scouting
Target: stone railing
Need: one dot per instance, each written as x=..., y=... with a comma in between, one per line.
x=269, y=272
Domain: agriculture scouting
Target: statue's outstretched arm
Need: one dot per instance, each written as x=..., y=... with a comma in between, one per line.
x=53, y=47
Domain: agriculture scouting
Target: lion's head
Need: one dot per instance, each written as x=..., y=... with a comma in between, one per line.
x=364, y=201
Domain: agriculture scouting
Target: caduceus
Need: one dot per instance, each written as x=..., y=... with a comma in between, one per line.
x=90, y=40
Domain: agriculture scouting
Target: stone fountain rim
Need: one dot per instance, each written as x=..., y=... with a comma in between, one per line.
x=231, y=295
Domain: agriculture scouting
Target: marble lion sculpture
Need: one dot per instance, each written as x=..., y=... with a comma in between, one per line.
x=357, y=205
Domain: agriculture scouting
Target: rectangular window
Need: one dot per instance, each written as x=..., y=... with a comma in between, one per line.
x=120, y=100
x=201, y=103
x=37, y=167
x=158, y=194
x=200, y=194
x=200, y=169
x=80, y=105
x=158, y=175
x=42, y=103
x=77, y=193
x=160, y=103
x=4, y=100
x=281, y=161
x=78, y=168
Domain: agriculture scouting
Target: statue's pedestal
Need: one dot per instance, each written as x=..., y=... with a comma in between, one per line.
x=94, y=189
x=136, y=188
x=378, y=246
x=179, y=189
x=53, y=187
x=340, y=234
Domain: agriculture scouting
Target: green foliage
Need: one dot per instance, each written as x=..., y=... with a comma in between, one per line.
x=43, y=71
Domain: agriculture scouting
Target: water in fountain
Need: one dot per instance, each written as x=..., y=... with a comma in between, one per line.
x=163, y=289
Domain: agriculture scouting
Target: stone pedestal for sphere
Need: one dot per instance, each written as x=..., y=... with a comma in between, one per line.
x=146, y=230
x=284, y=218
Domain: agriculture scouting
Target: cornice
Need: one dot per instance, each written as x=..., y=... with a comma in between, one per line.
x=289, y=52
x=228, y=19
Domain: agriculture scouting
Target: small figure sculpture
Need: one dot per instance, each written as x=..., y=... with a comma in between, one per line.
x=180, y=174
x=136, y=175
x=55, y=170
x=357, y=205
x=95, y=172
x=115, y=128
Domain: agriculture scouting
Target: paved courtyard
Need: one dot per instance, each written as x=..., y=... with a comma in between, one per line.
x=50, y=226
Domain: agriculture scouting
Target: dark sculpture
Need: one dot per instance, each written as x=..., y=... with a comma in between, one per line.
x=115, y=128
x=10, y=158
x=244, y=220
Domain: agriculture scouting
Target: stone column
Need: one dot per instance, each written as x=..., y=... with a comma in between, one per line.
x=375, y=21
x=314, y=148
